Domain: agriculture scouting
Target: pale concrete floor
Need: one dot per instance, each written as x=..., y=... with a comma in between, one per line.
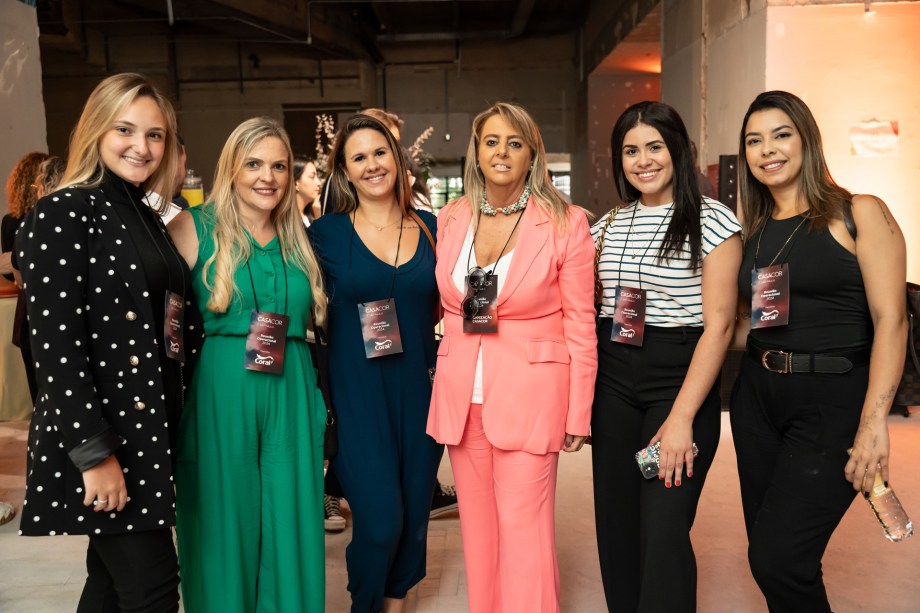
x=863, y=571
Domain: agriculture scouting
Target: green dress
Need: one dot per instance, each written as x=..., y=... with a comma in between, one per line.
x=249, y=477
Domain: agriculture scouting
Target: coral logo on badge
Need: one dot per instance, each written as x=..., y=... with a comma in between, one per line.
x=382, y=345
x=627, y=332
x=265, y=360
x=769, y=315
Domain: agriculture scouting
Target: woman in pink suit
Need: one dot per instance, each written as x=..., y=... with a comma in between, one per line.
x=517, y=363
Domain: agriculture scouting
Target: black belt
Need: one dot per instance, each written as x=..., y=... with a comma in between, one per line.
x=786, y=362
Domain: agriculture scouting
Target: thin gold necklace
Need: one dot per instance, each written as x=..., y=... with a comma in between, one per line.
x=759, y=236
x=381, y=228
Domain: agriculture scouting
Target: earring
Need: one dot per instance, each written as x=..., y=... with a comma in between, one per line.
x=531, y=166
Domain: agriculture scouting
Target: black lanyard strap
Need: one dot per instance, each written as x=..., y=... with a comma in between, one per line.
x=764, y=229
x=253, y=285
x=156, y=244
x=647, y=247
x=500, y=254
x=351, y=238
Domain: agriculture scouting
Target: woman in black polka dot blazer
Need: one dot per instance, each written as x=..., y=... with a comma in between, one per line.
x=99, y=273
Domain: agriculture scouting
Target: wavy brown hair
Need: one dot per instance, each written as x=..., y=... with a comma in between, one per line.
x=825, y=199
x=49, y=175
x=341, y=191
x=20, y=193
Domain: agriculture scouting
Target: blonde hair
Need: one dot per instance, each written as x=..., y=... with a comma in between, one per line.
x=231, y=247
x=545, y=195
x=103, y=107
x=342, y=193
x=49, y=174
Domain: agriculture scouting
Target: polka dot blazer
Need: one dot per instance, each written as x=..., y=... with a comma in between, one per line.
x=97, y=366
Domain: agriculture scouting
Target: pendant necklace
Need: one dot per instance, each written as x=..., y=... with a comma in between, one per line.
x=384, y=227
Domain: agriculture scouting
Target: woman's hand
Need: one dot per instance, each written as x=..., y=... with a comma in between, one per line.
x=573, y=442
x=868, y=455
x=6, y=264
x=676, y=449
x=104, y=486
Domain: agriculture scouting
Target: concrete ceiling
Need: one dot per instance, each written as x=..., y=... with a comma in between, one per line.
x=640, y=51
x=312, y=29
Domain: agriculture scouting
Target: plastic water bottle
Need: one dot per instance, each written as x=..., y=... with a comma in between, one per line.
x=889, y=511
x=648, y=459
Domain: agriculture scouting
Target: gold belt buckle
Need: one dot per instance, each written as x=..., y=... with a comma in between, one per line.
x=787, y=361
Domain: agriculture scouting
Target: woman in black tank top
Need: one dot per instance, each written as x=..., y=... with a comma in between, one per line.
x=821, y=290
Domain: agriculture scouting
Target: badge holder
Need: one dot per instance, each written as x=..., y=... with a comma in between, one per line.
x=267, y=336
x=265, y=342
x=380, y=328
x=483, y=307
x=629, y=316
x=174, y=326
x=770, y=296
x=770, y=287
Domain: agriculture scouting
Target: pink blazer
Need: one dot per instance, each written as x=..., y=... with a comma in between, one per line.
x=539, y=369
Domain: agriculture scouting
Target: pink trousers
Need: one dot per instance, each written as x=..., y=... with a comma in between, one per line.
x=507, y=501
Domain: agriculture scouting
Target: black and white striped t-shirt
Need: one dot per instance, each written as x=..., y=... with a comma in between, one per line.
x=673, y=289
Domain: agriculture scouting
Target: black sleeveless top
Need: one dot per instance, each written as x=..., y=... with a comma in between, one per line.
x=828, y=310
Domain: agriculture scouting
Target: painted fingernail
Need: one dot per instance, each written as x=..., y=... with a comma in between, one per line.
x=689, y=473
x=886, y=484
x=667, y=484
x=866, y=494
x=677, y=483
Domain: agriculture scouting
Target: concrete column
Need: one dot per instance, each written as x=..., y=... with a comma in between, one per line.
x=22, y=110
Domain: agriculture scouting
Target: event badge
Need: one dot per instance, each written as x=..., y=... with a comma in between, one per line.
x=485, y=320
x=265, y=343
x=380, y=328
x=629, y=316
x=770, y=296
x=174, y=326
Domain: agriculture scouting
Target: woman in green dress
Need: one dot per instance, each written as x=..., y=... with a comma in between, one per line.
x=250, y=467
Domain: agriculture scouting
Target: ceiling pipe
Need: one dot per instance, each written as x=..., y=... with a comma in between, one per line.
x=521, y=17
x=169, y=12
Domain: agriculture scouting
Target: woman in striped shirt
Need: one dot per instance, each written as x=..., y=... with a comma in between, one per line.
x=668, y=265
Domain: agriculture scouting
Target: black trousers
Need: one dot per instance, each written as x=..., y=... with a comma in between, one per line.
x=791, y=434
x=643, y=528
x=131, y=573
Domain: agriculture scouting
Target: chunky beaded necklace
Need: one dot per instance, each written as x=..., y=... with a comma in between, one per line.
x=488, y=209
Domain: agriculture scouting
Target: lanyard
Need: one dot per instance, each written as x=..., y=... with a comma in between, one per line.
x=773, y=261
x=647, y=247
x=501, y=253
x=156, y=245
x=253, y=285
x=395, y=260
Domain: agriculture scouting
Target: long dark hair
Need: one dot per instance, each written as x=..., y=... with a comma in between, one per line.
x=825, y=199
x=685, y=221
x=300, y=164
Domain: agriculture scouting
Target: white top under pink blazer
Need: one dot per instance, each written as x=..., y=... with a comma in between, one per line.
x=539, y=369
